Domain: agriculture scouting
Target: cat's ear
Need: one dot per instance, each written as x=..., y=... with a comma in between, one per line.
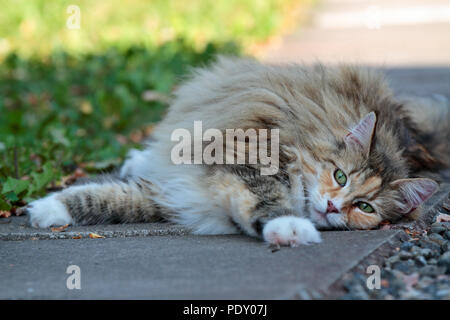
x=414, y=191
x=361, y=135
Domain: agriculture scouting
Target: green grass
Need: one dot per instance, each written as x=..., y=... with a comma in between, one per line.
x=74, y=98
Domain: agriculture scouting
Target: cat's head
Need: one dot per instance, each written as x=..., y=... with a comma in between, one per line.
x=362, y=180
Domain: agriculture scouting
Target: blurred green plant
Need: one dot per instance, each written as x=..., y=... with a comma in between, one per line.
x=72, y=98
x=40, y=25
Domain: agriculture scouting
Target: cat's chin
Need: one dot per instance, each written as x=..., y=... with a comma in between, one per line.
x=320, y=220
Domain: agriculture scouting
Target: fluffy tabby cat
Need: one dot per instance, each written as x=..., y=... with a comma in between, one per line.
x=351, y=156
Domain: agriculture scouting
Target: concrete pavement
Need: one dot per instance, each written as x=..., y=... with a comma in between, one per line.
x=179, y=267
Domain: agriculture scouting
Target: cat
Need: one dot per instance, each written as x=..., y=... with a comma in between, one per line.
x=350, y=156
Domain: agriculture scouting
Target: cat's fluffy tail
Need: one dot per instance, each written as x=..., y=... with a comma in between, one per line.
x=432, y=116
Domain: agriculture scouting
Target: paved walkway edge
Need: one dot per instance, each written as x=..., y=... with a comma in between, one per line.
x=107, y=231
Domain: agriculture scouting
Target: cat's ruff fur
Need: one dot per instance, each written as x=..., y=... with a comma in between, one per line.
x=338, y=117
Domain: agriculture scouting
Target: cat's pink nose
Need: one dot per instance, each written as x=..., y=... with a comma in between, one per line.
x=331, y=208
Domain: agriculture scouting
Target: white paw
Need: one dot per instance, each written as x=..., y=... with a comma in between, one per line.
x=291, y=231
x=48, y=212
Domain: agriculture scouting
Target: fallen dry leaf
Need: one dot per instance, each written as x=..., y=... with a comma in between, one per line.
x=70, y=179
x=148, y=130
x=121, y=139
x=442, y=217
x=86, y=107
x=77, y=237
x=5, y=214
x=60, y=229
x=20, y=211
x=150, y=95
x=136, y=136
x=95, y=236
x=412, y=233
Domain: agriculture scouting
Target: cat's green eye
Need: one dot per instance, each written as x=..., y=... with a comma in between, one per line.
x=365, y=207
x=340, y=177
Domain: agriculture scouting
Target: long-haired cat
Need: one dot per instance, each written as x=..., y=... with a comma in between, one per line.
x=350, y=156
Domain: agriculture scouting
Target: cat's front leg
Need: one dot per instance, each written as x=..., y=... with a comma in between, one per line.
x=283, y=227
x=264, y=207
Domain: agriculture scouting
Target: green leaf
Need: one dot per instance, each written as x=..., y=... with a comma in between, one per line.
x=17, y=186
x=4, y=205
x=11, y=196
x=41, y=180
